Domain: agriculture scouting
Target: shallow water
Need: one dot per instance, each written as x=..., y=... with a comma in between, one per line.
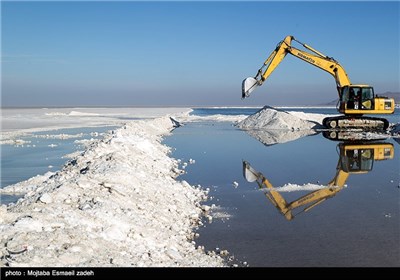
x=359, y=226
x=41, y=154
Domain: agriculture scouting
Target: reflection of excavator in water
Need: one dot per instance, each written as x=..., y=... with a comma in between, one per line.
x=355, y=158
x=354, y=100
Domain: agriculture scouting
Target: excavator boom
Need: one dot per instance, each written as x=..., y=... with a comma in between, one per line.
x=354, y=100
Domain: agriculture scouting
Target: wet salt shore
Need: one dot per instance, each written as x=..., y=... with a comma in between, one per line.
x=116, y=204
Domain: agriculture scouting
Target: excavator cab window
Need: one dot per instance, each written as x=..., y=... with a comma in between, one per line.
x=367, y=98
x=344, y=97
x=345, y=94
x=357, y=98
x=354, y=98
x=350, y=97
x=357, y=160
x=367, y=159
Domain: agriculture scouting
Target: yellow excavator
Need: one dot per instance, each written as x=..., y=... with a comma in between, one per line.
x=355, y=158
x=354, y=100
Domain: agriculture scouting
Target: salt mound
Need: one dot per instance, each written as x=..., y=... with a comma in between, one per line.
x=118, y=203
x=271, y=118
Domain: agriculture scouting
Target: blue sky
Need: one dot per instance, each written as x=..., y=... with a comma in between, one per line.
x=189, y=53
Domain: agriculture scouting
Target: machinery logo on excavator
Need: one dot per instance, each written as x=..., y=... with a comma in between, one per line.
x=306, y=58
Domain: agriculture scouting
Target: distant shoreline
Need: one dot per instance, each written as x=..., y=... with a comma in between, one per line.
x=147, y=107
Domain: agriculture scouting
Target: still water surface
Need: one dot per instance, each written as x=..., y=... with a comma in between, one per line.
x=41, y=153
x=359, y=226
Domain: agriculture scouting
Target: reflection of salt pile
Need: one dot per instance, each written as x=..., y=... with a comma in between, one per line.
x=271, y=126
x=271, y=137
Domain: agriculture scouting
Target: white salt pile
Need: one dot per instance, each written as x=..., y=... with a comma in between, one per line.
x=271, y=126
x=271, y=118
x=116, y=204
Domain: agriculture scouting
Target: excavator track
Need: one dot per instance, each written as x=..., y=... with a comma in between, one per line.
x=358, y=122
x=352, y=135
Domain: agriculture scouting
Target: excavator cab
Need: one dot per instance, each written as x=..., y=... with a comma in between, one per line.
x=361, y=99
x=354, y=158
x=359, y=158
x=356, y=98
x=354, y=102
x=358, y=161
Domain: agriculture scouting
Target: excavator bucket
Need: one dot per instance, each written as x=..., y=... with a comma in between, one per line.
x=248, y=85
x=249, y=173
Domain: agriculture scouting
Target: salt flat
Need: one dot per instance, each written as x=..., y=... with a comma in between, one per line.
x=39, y=118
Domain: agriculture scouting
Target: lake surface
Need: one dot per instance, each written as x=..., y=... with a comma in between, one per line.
x=42, y=152
x=358, y=226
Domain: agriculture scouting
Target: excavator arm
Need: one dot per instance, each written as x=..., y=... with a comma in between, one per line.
x=313, y=57
x=354, y=100
x=307, y=201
